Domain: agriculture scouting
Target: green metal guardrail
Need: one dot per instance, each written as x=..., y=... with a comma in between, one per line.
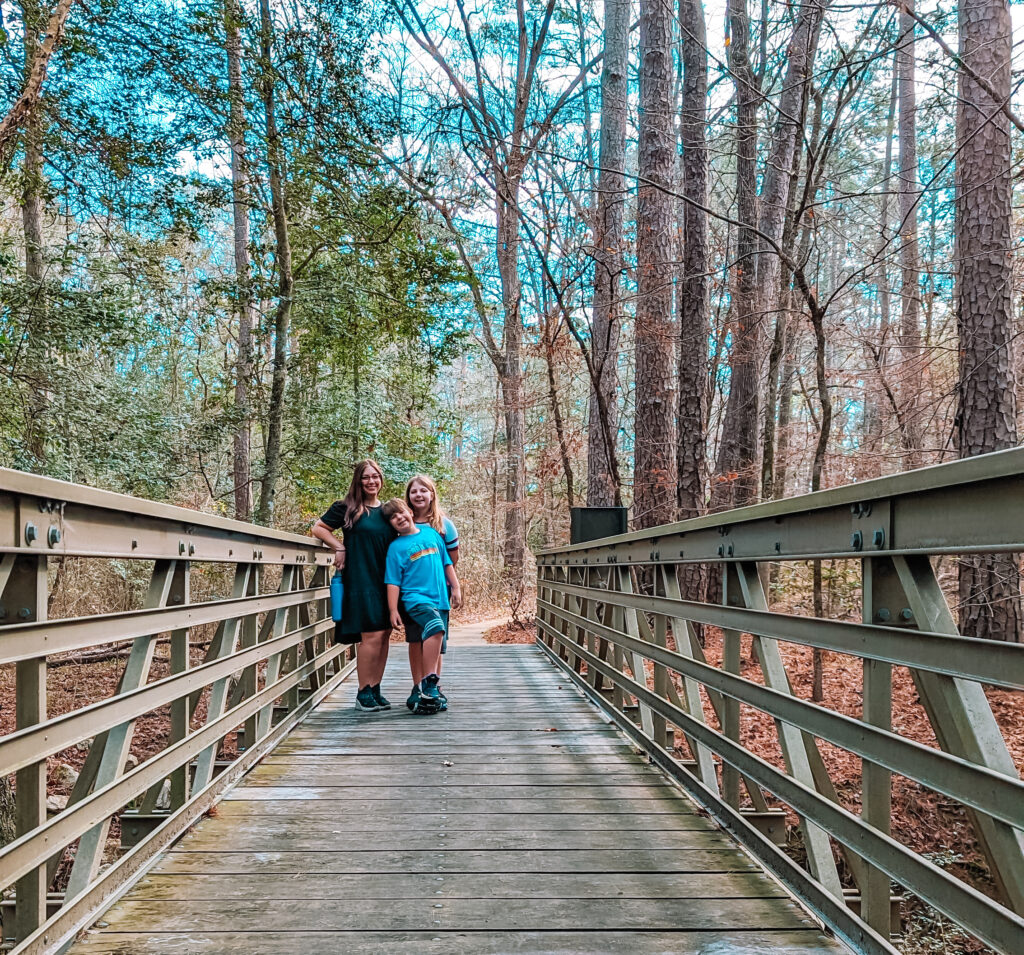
x=270, y=660
x=611, y=612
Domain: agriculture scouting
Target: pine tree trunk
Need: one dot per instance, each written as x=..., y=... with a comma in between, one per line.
x=990, y=604
x=654, y=471
x=911, y=369
x=737, y=479
x=602, y=486
x=285, y=287
x=241, y=455
x=694, y=309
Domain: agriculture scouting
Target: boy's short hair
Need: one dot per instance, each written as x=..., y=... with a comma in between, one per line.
x=396, y=504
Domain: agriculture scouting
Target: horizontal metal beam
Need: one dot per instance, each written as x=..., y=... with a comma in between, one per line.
x=28, y=641
x=975, y=505
x=24, y=853
x=973, y=785
x=28, y=746
x=40, y=515
x=989, y=921
x=985, y=661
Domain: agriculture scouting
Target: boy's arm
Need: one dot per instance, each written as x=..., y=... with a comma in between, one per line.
x=453, y=582
x=396, y=617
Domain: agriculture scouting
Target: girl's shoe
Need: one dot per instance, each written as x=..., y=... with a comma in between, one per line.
x=382, y=702
x=414, y=698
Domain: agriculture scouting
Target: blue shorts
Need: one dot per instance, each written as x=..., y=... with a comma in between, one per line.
x=423, y=622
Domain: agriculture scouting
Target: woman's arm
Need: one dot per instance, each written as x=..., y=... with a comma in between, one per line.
x=322, y=532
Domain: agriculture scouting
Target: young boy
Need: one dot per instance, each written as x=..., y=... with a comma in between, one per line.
x=415, y=573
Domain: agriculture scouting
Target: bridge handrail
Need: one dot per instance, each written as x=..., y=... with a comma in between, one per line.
x=269, y=661
x=614, y=614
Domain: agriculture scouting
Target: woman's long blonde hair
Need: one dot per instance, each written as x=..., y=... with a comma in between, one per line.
x=355, y=500
x=434, y=515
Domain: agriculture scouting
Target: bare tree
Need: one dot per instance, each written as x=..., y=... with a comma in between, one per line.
x=990, y=604
x=506, y=134
x=910, y=260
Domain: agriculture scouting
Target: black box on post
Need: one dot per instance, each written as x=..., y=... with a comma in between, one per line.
x=592, y=523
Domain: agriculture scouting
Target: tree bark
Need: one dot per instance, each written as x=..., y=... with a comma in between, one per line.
x=990, y=604
x=35, y=430
x=511, y=375
x=911, y=369
x=736, y=480
x=241, y=451
x=285, y=286
x=654, y=471
x=694, y=308
x=609, y=263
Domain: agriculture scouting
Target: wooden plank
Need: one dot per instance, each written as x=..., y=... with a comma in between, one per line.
x=292, y=862
x=353, y=809
x=412, y=790
x=537, y=913
x=440, y=822
x=806, y=942
x=294, y=834
x=506, y=885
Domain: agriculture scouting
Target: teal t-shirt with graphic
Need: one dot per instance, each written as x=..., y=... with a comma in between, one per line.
x=415, y=564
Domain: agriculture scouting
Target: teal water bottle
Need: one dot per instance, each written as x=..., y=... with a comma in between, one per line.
x=337, y=592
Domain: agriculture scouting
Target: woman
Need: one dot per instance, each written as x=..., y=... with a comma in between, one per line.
x=361, y=556
x=421, y=496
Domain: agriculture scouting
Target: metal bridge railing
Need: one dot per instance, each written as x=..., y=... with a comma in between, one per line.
x=270, y=660
x=611, y=612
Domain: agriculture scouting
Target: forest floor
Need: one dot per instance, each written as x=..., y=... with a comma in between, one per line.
x=925, y=821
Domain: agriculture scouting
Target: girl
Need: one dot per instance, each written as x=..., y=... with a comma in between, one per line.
x=421, y=496
x=361, y=557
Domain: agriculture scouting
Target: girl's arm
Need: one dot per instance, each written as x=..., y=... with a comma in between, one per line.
x=453, y=582
x=322, y=532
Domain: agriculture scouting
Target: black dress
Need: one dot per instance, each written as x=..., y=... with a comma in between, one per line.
x=364, y=608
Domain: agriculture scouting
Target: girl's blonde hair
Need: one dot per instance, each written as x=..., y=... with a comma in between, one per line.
x=434, y=513
x=355, y=500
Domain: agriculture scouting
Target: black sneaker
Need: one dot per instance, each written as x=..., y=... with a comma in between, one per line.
x=425, y=706
x=382, y=702
x=365, y=700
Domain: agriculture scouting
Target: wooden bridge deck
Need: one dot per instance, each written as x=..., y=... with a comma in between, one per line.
x=519, y=821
